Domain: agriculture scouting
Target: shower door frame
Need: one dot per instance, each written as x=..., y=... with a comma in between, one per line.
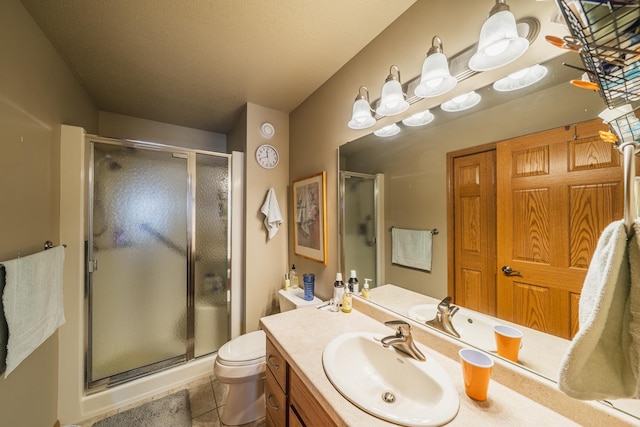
x=91, y=387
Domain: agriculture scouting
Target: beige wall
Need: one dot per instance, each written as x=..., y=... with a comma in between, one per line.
x=37, y=93
x=119, y=126
x=319, y=125
x=265, y=260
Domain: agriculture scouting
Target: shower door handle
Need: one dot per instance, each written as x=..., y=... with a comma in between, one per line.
x=92, y=265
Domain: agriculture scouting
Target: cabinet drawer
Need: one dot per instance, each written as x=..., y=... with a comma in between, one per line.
x=276, y=364
x=275, y=401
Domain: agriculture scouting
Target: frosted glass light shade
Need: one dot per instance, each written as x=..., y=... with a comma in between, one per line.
x=361, y=117
x=387, y=131
x=521, y=79
x=436, y=78
x=499, y=43
x=462, y=102
x=392, y=101
x=419, y=119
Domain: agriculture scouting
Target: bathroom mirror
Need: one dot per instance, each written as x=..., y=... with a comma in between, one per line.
x=413, y=165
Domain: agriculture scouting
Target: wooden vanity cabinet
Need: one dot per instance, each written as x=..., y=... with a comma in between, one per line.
x=289, y=402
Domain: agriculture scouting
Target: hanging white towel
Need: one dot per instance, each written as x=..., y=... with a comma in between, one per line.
x=411, y=248
x=271, y=211
x=634, y=306
x=597, y=364
x=33, y=303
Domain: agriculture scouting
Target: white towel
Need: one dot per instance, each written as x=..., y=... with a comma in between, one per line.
x=271, y=212
x=634, y=306
x=33, y=303
x=597, y=364
x=411, y=248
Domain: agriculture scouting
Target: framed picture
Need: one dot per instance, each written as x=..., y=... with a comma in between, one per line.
x=310, y=217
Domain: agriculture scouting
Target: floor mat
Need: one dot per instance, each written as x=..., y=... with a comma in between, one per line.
x=170, y=411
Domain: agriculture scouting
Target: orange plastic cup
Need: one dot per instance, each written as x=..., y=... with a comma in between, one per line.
x=476, y=371
x=508, y=341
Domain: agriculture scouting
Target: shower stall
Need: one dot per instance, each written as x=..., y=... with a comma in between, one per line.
x=158, y=258
x=361, y=220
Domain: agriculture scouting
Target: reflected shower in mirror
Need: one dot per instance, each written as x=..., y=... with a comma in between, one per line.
x=416, y=165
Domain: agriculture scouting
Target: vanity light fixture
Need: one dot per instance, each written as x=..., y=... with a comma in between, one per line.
x=387, y=131
x=521, y=79
x=499, y=42
x=462, y=102
x=393, y=99
x=362, y=116
x=436, y=79
x=419, y=119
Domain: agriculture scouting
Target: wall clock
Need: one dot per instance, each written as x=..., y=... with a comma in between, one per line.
x=267, y=156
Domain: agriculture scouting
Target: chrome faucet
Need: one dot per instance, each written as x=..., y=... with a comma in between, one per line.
x=402, y=340
x=445, y=313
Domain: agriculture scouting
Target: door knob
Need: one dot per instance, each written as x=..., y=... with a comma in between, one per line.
x=508, y=271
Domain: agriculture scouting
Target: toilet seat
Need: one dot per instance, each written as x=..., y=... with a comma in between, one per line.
x=244, y=350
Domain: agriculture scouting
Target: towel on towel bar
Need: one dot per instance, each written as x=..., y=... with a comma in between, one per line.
x=271, y=211
x=33, y=303
x=597, y=364
x=411, y=248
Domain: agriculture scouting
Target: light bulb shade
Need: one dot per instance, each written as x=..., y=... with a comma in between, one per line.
x=392, y=100
x=387, y=131
x=361, y=117
x=499, y=43
x=419, y=119
x=521, y=79
x=436, y=78
x=462, y=102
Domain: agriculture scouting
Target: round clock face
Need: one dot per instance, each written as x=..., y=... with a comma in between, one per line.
x=267, y=156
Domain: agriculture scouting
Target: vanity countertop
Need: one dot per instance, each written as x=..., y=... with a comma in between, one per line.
x=302, y=335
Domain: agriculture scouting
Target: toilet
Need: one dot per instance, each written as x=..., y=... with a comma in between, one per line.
x=240, y=363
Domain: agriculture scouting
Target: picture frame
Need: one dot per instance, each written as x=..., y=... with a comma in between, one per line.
x=310, y=217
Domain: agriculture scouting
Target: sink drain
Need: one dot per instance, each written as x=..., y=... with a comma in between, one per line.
x=388, y=397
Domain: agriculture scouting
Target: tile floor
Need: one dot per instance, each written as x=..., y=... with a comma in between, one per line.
x=206, y=395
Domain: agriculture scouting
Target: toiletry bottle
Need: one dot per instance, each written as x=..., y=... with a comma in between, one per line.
x=365, y=289
x=338, y=292
x=287, y=282
x=353, y=283
x=347, y=301
x=293, y=277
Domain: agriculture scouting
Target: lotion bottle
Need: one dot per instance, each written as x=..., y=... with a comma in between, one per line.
x=365, y=289
x=287, y=282
x=338, y=292
x=347, y=301
x=353, y=283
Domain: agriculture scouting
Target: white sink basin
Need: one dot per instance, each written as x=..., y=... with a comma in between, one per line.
x=389, y=384
x=474, y=328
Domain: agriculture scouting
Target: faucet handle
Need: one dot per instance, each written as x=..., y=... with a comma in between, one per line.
x=400, y=332
x=444, y=305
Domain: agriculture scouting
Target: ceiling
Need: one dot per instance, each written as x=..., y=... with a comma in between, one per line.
x=196, y=63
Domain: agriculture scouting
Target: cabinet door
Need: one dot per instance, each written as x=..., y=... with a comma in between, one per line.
x=304, y=403
x=294, y=421
x=276, y=401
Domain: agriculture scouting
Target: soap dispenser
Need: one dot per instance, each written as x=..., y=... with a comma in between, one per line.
x=293, y=277
x=365, y=289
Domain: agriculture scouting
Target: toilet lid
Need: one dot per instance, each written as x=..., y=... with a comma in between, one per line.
x=245, y=348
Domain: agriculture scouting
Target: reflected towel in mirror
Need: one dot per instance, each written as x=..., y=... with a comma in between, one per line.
x=411, y=248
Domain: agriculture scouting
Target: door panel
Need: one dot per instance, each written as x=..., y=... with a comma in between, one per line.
x=475, y=231
x=557, y=190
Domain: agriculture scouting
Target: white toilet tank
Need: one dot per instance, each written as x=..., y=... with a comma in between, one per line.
x=293, y=299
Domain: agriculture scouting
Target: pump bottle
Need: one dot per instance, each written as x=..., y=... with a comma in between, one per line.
x=353, y=283
x=338, y=292
x=365, y=289
x=293, y=277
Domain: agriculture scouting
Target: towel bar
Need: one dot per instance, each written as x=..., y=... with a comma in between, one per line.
x=434, y=231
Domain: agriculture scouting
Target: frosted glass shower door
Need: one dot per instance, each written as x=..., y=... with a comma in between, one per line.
x=212, y=297
x=138, y=252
